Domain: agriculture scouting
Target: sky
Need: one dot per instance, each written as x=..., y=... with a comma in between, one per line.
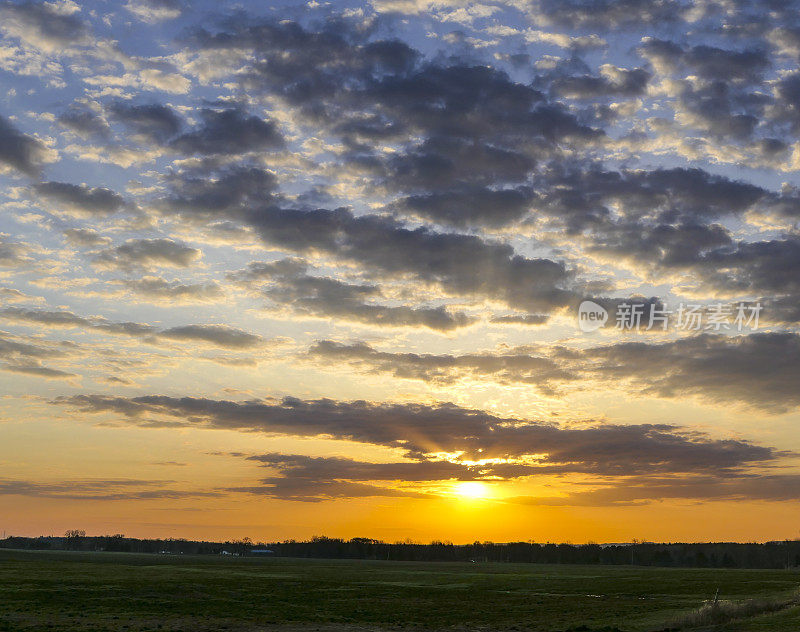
x=400, y=269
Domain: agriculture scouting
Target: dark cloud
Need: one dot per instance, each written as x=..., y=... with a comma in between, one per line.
x=20, y=151
x=84, y=121
x=85, y=238
x=758, y=370
x=315, y=479
x=458, y=126
x=481, y=206
x=13, y=254
x=145, y=253
x=460, y=264
x=158, y=288
x=520, y=366
x=226, y=191
x=521, y=319
x=615, y=82
x=155, y=122
x=42, y=22
x=37, y=371
x=708, y=62
x=98, y=489
x=708, y=488
x=81, y=198
x=70, y=319
x=219, y=335
x=422, y=429
x=229, y=131
x=26, y=358
x=289, y=284
x=608, y=14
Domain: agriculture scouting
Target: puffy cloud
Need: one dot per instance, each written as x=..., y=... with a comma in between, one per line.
x=230, y=190
x=153, y=121
x=19, y=151
x=49, y=26
x=85, y=238
x=470, y=205
x=708, y=62
x=155, y=10
x=80, y=198
x=229, y=131
x=85, y=119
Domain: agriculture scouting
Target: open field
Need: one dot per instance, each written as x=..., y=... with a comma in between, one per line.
x=64, y=591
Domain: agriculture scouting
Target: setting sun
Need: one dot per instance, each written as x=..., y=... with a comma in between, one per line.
x=472, y=489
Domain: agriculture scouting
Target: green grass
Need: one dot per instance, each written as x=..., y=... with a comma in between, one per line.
x=106, y=591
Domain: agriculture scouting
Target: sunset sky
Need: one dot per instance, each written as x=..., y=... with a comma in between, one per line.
x=284, y=270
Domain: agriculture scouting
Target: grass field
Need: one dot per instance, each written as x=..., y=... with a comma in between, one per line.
x=109, y=591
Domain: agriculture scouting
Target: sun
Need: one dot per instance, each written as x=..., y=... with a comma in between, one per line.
x=471, y=490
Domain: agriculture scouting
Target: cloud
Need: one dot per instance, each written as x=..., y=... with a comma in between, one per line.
x=314, y=479
x=146, y=253
x=85, y=238
x=220, y=335
x=289, y=284
x=85, y=119
x=229, y=131
x=152, y=11
x=470, y=206
x=161, y=290
x=26, y=357
x=422, y=430
x=49, y=26
x=757, y=370
x=515, y=366
x=708, y=62
x=606, y=14
x=650, y=489
x=99, y=489
x=612, y=82
x=80, y=199
x=154, y=122
x=19, y=151
x=230, y=190
x=14, y=254
x=460, y=264
x=37, y=371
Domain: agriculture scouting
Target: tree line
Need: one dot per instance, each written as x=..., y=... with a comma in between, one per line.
x=785, y=554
